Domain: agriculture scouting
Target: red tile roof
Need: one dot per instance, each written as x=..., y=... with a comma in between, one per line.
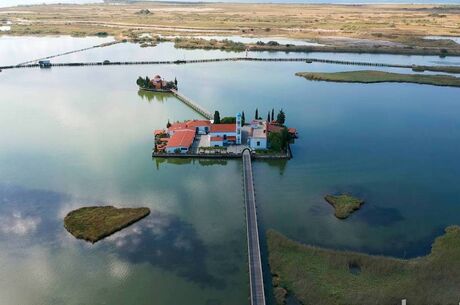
x=215, y=139
x=158, y=132
x=177, y=126
x=231, y=138
x=274, y=128
x=198, y=123
x=182, y=138
x=223, y=127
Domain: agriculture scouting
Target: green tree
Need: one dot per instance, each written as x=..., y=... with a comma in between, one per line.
x=216, y=117
x=140, y=82
x=256, y=116
x=274, y=140
x=273, y=114
x=168, y=124
x=228, y=120
x=268, y=117
x=243, y=119
x=281, y=117
x=279, y=141
x=147, y=82
x=175, y=82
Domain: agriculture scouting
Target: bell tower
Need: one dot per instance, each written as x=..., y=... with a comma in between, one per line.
x=238, y=128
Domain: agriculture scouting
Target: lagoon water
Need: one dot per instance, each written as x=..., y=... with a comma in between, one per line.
x=82, y=136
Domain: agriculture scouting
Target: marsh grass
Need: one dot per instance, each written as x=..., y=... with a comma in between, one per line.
x=344, y=204
x=94, y=223
x=323, y=277
x=371, y=76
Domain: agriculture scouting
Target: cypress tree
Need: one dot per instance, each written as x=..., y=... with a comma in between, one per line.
x=216, y=117
x=273, y=114
x=281, y=118
x=257, y=114
x=243, y=119
x=268, y=117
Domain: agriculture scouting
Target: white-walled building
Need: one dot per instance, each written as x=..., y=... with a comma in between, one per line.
x=226, y=131
x=257, y=138
x=180, y=141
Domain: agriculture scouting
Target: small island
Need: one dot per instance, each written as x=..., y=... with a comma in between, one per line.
x=371, y=76
x=95, y=223
x=156, y=84
x=344, y=204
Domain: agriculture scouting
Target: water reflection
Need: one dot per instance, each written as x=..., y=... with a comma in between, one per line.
x=18, y=224
x=278, y=164
x=163, y=240
x=167, y=242
x=153, y=96
x=26, y=213
x=183, y=161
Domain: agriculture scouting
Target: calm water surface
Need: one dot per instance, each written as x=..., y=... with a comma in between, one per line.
x=82, y=136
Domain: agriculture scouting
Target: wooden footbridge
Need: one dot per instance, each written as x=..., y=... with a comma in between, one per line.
x=189, y=102
x=105, y=44
x=195, y=61
x=256, y=279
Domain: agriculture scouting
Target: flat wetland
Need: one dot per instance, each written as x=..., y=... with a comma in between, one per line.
x=84, y=134
x=326, y=277
x=373, y=28
x=369, y=77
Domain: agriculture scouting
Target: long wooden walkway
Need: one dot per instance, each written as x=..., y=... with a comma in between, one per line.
x=256, y=280
x=105, y=44
x=194, y=61
x=189, y=102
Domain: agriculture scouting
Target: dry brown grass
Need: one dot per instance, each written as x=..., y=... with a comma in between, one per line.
x=396, y=23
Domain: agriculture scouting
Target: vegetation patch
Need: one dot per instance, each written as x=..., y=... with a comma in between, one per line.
x=95, y=223
x=327, y=277
x=200, y=43
x=344, y=204
x=446, y=69
x=390, y=29
x=370, y=76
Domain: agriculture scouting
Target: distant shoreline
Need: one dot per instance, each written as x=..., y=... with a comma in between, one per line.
x=381, y=29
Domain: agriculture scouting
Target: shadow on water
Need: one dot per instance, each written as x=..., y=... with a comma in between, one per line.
x=378, y=216
x=153, y=96
x=29, y=217
x=167, y=242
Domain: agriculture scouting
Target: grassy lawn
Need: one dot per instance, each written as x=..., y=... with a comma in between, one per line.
x=344, y=204
x=94, y=223
x=370, y=76
x=327, y=277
